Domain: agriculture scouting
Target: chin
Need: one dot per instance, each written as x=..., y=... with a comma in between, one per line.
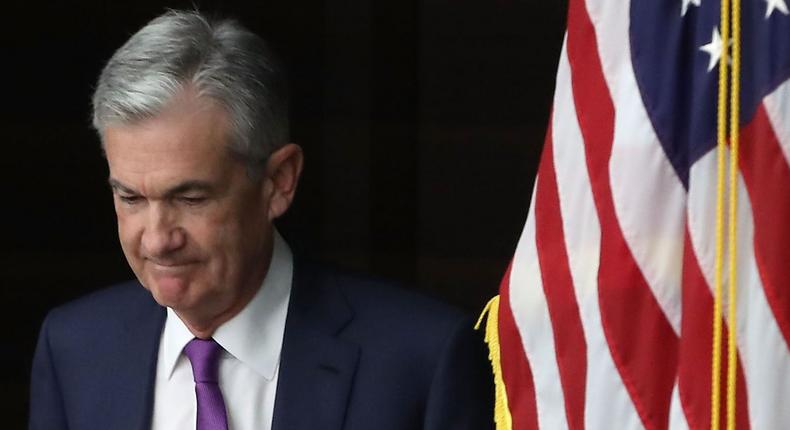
x=172, y=292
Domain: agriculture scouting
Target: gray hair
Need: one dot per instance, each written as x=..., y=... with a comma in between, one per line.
x=222, y=60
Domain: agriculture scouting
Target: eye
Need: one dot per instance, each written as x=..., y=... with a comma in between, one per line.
x=192, y=200
x=129, y=199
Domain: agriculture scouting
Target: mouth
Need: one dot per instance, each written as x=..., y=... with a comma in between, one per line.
x=170, y=264
x=169, y=280
x=170, y=267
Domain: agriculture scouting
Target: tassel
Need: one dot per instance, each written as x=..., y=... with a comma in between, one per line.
x=502, y=416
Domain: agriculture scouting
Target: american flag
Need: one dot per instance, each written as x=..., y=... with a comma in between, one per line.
x=606, y=312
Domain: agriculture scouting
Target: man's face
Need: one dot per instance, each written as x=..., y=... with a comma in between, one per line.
x=193, y=226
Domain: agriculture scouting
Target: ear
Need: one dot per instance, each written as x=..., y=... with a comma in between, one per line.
x=283, y=169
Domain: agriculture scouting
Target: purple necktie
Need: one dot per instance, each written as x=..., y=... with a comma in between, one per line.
x=204, y=356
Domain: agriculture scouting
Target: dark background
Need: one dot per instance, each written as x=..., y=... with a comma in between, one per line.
x=422, y=124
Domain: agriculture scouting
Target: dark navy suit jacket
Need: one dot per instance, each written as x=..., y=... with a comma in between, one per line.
x=356, y=355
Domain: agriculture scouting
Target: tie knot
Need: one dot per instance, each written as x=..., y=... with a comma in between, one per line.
x=204, y=356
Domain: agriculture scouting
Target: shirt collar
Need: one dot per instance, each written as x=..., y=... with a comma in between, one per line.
x=254, y=336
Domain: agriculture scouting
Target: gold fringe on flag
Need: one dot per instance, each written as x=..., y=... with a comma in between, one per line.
x=501, y=411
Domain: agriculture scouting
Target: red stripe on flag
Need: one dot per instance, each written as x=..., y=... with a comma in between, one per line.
x=696, y=345
x=570, y=345
x=641, y=340
x=515, y=366
x=767, y=178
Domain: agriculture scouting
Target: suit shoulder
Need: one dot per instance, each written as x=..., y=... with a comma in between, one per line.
x=101, y=307
x=99, y=321
x=407, y=339
x=389, y=307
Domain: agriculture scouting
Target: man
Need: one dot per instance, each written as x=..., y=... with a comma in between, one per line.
x=233, y=332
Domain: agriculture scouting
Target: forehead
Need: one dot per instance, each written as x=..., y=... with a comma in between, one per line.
x=186, y=141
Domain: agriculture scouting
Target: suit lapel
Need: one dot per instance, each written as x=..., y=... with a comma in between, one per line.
x=135, y=369
x=316, y=367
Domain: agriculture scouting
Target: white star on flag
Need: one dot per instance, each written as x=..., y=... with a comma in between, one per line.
x=685, y=6
x=773, y=5
x=713, y=48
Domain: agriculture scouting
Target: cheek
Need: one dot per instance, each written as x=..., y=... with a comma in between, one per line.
x=223, y=240
x=128, y=233
x=210, y=236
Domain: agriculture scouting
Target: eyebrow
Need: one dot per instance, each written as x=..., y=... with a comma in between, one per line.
x=118, y=185
x=181, y=188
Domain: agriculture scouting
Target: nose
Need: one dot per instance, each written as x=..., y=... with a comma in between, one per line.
x=162, y=234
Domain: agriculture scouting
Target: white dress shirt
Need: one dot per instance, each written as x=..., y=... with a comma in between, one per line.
x=249, y=366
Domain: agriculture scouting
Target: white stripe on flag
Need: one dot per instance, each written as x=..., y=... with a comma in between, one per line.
x=607, y=403
x=677, y=419
x=654, y=232
x=531, y=314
